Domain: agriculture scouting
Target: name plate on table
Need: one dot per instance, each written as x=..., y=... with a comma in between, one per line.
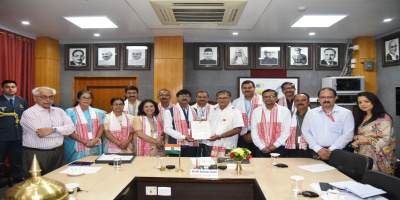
x=200, y=130
x=204, y=172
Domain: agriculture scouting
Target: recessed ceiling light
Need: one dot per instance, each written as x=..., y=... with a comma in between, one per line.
x=25, y=22
x=92, y=22
x=97, y=34
x=235, y=33
x=318, y=20
x=311, y=33
x=387, y=20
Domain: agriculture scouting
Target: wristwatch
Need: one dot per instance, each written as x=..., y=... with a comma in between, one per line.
x=54, y=130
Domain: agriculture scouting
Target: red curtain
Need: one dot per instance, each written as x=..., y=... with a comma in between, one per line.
x=17, y=62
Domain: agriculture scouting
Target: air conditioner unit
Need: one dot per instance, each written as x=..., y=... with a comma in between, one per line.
x=193, y=12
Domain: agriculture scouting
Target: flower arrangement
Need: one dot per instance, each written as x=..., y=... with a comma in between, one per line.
x=239, y=154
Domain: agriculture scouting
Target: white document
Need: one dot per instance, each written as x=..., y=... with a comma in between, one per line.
x=110, y=157
x=361, y=190
x=317, y=167
x=203, y=161
x=346, y=195
x=200, y=130
x=87, y=170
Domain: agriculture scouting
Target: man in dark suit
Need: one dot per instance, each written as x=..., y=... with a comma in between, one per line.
x=208, y=57
x=78, y=56
x=10, y=129
x=329, y=56
x=392, y=51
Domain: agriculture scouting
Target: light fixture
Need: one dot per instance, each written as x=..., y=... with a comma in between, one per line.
x=387, y=20
x=25, y=22
x=97, y=34
x=318, y=20
x=311, y=33
x=92, y=22
x=235, y=33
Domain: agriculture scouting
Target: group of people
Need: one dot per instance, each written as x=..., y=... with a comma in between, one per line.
x=262, y=123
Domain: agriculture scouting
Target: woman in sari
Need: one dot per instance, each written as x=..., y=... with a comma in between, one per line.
x=118, y=129
x=148, y=130
x=86, y=140
x=374, y=134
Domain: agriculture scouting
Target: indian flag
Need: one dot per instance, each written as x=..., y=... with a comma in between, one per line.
x=173, y=148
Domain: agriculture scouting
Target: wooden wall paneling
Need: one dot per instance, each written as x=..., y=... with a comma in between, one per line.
x=104, y=88
x=366, y=52
x=168, y=64
x=47, y=61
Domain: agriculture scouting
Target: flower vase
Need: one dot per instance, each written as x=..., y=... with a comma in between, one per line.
x=238, y=167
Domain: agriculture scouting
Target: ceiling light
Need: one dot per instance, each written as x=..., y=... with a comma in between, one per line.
x=318, y=20
x=97, y=34
x=387, y=20
x=235, y=33
x=311, y=33
x=92, y=22
x=25, y=22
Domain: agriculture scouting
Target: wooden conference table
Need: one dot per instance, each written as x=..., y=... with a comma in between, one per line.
x=274, y=182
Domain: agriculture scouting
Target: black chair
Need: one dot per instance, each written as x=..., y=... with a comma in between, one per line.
x=351, y=164
x=5, y=177
x=386, y=182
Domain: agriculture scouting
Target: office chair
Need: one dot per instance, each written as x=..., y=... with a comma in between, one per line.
x=386, y=182
x=5, y=177
x=351, y=164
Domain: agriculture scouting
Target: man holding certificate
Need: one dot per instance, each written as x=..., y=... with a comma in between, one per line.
x=177, y=124
x=225, y=123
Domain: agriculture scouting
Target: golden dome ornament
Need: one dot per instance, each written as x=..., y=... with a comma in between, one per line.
x=37, y=187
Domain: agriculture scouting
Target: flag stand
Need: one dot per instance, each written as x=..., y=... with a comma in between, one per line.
x=179, y=170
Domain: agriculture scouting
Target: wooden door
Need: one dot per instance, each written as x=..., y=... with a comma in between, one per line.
x=104, y=88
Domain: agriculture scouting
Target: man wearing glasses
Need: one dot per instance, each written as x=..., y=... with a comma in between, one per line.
x=270, y=126
x=164, y=96
x=392, y=48
x=203, y=110
x=177, y=124
x=327, y=127
x=289, y=90
x=225, y=123
x=43, y=131
x=136, y=58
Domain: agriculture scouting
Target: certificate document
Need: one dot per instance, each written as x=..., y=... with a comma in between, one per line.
x=200, y=130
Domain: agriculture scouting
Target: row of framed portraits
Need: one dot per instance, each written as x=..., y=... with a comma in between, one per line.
x=390, y=50
x=268, y=56
x=107, y=56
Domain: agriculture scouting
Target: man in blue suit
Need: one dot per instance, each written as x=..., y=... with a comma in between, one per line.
x=10, y=129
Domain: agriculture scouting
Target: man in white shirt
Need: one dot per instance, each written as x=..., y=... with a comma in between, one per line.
x=246, y=105
x=203, y=108
x=329, y=126
x=131, y=102
x=177, y=124
x=270, y=126
x=164, y=96
x=225, y=125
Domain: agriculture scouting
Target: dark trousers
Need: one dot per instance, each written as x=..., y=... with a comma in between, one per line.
x=48, y=160
x=201, y=151
x=299, y=153
x=14, y=151
x=243, y=144
x=186, y=151
x=281, y=150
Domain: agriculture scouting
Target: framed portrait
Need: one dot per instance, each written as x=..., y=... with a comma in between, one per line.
x=269, y=56
x=329, y=57
x=208, y=56
x=238, y=56
x=299, y=56
x=106, y=56
x=137, y=56
x=390, y=50
x=77, y=57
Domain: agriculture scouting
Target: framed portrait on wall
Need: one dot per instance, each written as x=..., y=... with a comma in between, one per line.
x=238, y=56
x=77, y=57
x=269, y=56
x=329, y=57
x=137, y=56
x=208, y=56
x=299, y=56
x=390, y=50
x=106, y=56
